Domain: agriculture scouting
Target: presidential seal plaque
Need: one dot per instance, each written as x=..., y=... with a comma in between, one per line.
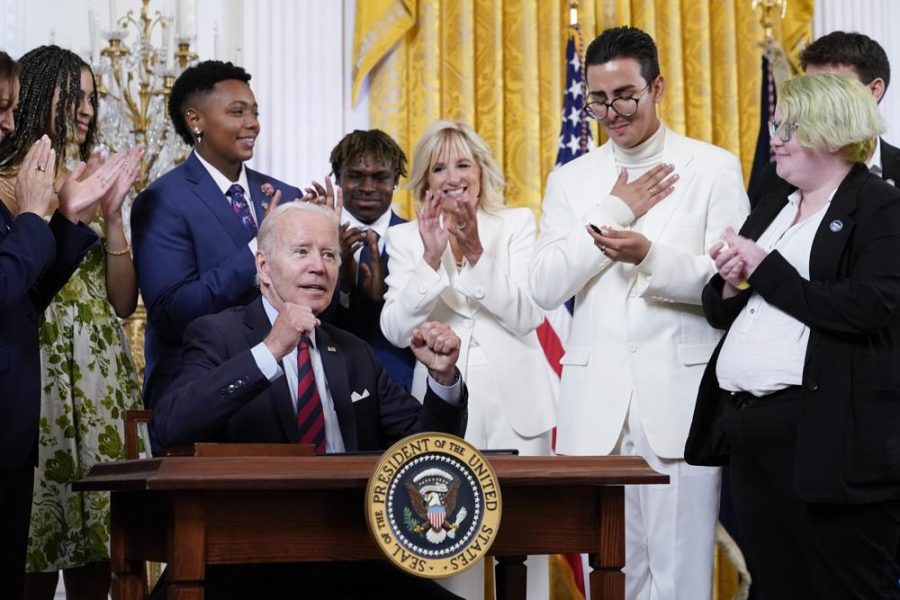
x=433, y=505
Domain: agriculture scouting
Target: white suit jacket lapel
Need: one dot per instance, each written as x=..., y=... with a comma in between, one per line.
x=601, y=168
x=678, y=154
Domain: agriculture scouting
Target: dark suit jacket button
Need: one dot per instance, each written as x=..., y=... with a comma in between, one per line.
x=245, y=379
x=812, y=385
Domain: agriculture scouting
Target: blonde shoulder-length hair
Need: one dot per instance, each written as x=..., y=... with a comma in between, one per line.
x=832, y=112
x=438, y=140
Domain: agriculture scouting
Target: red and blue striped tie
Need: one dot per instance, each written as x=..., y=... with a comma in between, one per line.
x=310, y=418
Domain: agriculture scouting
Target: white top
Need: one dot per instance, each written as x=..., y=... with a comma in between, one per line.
x=765, y=348
x=643, y=157
x=272, y=370
x=223, y=183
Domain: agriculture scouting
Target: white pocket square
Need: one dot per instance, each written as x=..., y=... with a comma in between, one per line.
x=356, y=396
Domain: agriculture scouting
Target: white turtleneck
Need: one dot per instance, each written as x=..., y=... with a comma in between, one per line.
x=641, y=158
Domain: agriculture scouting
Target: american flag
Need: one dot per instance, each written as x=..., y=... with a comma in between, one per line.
x=574, y=140
x=575, y=132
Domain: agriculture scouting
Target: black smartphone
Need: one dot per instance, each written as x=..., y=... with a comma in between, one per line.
x=596, y=229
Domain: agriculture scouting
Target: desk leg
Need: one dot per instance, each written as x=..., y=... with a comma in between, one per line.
x=512, y=577
x=186, y=550
x=129, y=581
x=607, y=578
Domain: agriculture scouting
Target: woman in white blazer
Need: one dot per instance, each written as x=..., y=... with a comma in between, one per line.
x=464, y=262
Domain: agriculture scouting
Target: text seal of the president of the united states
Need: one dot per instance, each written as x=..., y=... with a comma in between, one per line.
x=433, y=505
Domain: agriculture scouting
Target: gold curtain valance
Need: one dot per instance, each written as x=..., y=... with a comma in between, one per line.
x=499, y=64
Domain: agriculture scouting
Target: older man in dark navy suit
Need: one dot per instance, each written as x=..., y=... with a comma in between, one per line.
x=272, y=372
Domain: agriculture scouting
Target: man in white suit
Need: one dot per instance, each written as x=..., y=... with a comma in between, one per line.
x=625, y=230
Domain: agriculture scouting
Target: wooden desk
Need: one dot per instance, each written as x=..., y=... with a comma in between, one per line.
x=194, y=511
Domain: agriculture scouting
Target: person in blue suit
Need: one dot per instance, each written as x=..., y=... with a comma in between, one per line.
x=36, y=260
x=194, y=229
x=368, y=166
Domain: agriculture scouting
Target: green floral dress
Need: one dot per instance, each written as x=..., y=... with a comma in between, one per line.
x=89, y=382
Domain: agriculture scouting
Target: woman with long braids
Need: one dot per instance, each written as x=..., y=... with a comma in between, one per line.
x=88, y=376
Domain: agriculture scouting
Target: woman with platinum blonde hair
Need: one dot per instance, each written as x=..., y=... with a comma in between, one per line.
x=801, y=400
x=464, y=262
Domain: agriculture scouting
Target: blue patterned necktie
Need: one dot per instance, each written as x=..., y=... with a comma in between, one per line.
x=241, y=210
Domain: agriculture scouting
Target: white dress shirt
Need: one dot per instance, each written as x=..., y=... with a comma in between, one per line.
x=224, y=184
x=766, y=348
x=272, y=370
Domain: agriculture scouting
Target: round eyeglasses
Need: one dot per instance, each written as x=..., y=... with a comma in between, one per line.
x=781, y=130
x=624, y=106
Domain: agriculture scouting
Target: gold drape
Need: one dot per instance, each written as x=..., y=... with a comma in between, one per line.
x=499, y=64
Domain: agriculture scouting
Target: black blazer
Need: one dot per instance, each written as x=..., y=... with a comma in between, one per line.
x=770, y=183
x=221, y=395
x=35, y=262
x=848, y=436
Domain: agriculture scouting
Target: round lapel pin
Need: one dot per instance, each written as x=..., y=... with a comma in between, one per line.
x=836, y=226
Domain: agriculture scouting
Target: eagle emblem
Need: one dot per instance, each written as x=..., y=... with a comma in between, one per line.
x=432, y=495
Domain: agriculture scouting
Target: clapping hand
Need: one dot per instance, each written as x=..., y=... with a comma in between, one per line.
x=371, y=275
x=34, y=183
x=351, y=241
x=464, y=230
x=736, y=259
x=78, y=197
x=432, y=229
x=436, y=346
x=328, y=196
x=111, y=202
